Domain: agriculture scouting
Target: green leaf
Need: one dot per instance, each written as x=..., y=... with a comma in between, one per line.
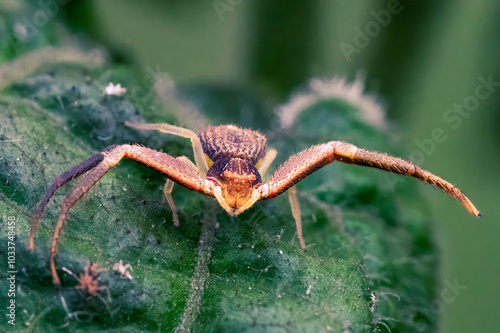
x=370, y=263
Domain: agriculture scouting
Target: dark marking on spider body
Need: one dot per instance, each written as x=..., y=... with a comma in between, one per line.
x=230, y=162
x=233, y=156
x=229, y=141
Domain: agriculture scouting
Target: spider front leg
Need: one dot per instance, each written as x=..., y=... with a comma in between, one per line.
x=347, y=153
x=308, y=161
x=83, y=187
x=60, y=181
x=97, y=166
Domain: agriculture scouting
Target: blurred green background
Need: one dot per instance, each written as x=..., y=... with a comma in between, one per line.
x=421, y=60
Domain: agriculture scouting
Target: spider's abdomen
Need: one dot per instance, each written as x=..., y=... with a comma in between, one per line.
x=228, y=141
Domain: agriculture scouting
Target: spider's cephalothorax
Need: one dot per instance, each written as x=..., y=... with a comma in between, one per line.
x=233, y=155
x=230, y=162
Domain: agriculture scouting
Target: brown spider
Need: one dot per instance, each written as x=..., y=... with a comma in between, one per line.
x=230, y=162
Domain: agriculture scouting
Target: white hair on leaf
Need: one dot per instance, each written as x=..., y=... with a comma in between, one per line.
x=337, y=87
x=116, y=90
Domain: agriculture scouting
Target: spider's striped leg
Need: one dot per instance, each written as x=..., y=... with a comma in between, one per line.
x=306, y=162
x=348, y=153
x=97, y=166
x=199, y=156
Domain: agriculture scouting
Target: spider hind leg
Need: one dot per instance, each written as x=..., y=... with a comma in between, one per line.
x=294, y=203
x=167, y=192
x=199, y=156
x=345, y=152
x=169, y=185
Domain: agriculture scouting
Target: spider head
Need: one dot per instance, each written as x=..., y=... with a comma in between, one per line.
x=236, y=180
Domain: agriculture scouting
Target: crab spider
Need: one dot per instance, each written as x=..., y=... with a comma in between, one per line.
x=230, y=162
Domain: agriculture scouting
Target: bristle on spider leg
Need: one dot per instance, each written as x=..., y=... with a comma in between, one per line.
x=449, y=189
x=469, y=205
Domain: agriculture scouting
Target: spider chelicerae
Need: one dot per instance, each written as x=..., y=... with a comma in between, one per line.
x=229, y=164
